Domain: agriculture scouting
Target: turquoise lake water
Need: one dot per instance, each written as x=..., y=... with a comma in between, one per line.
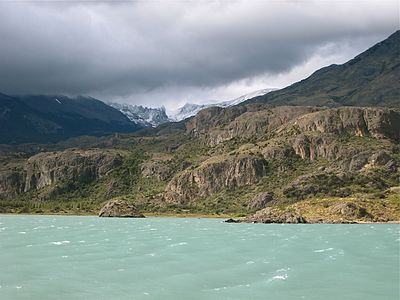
x=48, y=257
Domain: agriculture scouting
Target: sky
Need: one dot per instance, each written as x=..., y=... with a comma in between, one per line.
x=174, y=52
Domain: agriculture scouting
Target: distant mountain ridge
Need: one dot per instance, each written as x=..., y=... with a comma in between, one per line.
x=145, y=116
x=190, y=109
x=370, y=79
x=43, y=119
x=152, y=117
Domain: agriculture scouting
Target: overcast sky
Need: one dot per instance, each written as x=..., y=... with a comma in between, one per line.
x=171, y=52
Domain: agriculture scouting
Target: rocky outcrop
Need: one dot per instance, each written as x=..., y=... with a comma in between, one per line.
x=260, y=201
x=84, y=166
x=277, y=152
x=313, y=147
x=366, y=160
x=318, y=183
x=349, y=210
x=121, y=209
x=375, y=122
x=11, y=184
x=212, y=117
x=158, y=170
x=276, y=215
x=214, y=175
x=243, y=124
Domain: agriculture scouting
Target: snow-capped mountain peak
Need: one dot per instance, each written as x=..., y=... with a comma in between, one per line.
x=191, y=109
x=146, y=116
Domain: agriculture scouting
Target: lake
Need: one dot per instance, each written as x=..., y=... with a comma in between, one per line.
x=62, y=257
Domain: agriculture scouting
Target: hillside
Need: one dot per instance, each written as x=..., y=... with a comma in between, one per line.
x=294, y=154
x=45, y=119
x=369, y=79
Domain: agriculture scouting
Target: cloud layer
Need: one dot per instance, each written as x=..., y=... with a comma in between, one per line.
x=169, y=52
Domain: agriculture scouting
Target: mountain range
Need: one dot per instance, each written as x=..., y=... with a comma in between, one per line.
x=191, y=109
x=325, y=149
x=147, y=116
x=370, y=79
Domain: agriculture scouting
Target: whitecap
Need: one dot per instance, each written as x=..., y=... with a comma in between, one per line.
x=29, y=245
x=64, y=256
x=22, y=232
x=323, y=250
x=250, y=262
x=278, y=277
x=178, y=244
x=60, y=243
x=18, y=287
x=283, y=270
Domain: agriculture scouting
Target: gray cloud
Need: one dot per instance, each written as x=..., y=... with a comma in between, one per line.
x=159, y=51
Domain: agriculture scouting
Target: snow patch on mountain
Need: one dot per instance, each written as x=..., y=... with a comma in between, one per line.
x=191, y=109
x=146, y=116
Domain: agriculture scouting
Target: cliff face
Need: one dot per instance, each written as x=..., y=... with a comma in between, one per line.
x=11, y=184
x=213, y=176
x=45, y=169
x=284, y=120
x=375, y=122
x=50, y=168
x=242, y=124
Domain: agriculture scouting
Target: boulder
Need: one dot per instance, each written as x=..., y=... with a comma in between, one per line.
x=121, y=209
x=230, y=220
x=275, y=215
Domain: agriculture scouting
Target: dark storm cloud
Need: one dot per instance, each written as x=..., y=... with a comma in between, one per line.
x=127, y=48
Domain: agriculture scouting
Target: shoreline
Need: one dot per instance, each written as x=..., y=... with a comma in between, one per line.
x=147, y=215
x=198, y=216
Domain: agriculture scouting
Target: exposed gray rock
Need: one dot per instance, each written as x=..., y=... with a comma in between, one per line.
x=48, y=168
x=213, y=176
x=121, y=209
x=260, y=201
x=156, y=170
x=275, y=215
x=359, y=121
x=11, y=184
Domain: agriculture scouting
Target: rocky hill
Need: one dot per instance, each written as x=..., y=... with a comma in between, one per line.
x=297, y=153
